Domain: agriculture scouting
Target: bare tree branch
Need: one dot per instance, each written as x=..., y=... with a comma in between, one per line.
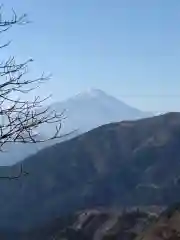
x=19, y=118
x=20, y=174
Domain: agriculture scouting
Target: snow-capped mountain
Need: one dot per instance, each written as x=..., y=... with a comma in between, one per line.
x=93, y=108
x=83, y=112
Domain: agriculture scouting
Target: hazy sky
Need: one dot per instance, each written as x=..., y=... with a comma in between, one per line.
x=128, y=48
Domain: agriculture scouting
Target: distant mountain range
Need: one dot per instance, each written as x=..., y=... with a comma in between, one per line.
x=84, y=112
x=119, y=164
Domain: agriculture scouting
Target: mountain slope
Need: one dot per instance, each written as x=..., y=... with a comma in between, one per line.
x=15, y=152
x=93, y=108
x=90, y=224
x=127, y=163
x=84, y=112
x=166, y=227
x=106, y=224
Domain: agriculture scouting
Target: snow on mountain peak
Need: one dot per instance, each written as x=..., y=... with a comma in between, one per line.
x=91, y=93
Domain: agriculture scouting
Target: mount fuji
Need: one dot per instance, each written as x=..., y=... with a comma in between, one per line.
x=83, y=112
x=93, y=108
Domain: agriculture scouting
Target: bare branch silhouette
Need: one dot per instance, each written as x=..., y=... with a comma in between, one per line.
x=19, y=118
x=19, y=175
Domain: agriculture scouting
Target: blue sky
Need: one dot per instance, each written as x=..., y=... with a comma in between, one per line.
x=128, y=48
